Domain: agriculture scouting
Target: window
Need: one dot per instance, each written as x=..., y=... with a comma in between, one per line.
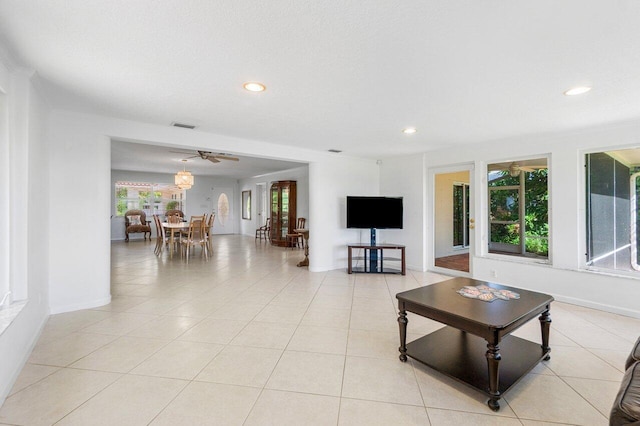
x=613, y=189
x=153, y=198
x=461, y=215
x=519, y=208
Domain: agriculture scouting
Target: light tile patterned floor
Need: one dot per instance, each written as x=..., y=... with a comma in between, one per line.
x=248, y=338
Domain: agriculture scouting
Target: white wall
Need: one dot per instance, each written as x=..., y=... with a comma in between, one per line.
x=198, y=198
x=27, y=193
x=299, y=174
x=329, y=184
x=564, y=277
x=80, y=190
x=405, y=177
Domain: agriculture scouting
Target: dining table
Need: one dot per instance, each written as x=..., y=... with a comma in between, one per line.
x=172, y=229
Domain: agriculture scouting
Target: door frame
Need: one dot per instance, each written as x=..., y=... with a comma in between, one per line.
x=431, y=240
x=262, y=210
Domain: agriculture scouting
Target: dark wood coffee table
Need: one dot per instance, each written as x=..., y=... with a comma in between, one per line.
x=460, y=350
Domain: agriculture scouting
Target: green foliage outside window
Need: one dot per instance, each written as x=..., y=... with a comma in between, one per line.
x=504, y=206
x=144, y=197
x=537, y=212
x=121, y=204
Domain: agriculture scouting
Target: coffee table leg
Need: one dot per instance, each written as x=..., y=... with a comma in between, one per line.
x=402, y=323
x=493, y=362
x=545, y=323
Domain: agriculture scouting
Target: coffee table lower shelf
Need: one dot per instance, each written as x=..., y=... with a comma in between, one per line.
x=461, y=356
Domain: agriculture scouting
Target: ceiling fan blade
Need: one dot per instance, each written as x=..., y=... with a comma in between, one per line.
x=225, y=157
x=213, y=159
x=190, y=154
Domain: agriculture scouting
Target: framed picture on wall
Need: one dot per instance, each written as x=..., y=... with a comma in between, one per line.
x=246, y=205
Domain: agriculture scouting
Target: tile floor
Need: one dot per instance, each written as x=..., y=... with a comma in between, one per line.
x=247, y=338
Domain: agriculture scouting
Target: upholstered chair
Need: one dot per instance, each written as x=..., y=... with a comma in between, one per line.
x=135, y=221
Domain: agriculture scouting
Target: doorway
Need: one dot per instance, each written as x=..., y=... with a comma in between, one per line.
x=453, y=222
x=261, y=204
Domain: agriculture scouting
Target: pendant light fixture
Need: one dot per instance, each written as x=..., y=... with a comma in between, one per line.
x=184, y=179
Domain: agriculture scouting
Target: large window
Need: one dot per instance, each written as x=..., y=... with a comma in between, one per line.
x=153, y=198
x=613, y=189
x=519, y=208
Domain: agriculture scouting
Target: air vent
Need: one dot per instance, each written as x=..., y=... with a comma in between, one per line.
x=183, y=125
x=336, y=151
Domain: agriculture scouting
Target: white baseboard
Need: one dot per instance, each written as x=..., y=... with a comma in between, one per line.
x=4, y=392
x=79, y=306
x=599, y=306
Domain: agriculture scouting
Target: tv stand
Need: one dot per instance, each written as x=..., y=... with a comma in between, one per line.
x=384, y=264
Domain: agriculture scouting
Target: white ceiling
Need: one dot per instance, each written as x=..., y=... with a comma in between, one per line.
x=162, y=159
x=339, y=74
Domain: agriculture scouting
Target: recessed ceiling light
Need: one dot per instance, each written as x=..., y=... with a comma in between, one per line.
x=253, y=86
x=579, y=90
x=409, y=130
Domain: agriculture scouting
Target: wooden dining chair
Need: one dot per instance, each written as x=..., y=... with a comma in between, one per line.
x=162, y=239
x=208, y=232
x=174, y=215
x=195, y=236
x=296, y=239
x=159, y=235
x=264, y=231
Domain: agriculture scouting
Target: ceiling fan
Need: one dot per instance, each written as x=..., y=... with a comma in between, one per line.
x=208, y=155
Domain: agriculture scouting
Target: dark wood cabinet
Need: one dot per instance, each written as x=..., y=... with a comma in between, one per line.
x=283, y=211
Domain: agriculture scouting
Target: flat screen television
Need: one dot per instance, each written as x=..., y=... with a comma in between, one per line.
x=374, y=212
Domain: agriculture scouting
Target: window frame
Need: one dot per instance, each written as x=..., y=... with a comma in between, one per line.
x=154, y=204
x=486, y=232
x=584, y=234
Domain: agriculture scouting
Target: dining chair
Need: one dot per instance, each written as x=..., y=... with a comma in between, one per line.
x=295, y=239
x=161, y=236
x=208, y=231
x=195, y=236
x=264, y=231
x=174, y=215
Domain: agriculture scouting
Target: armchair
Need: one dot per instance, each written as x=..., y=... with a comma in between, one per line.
x=135, y=221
